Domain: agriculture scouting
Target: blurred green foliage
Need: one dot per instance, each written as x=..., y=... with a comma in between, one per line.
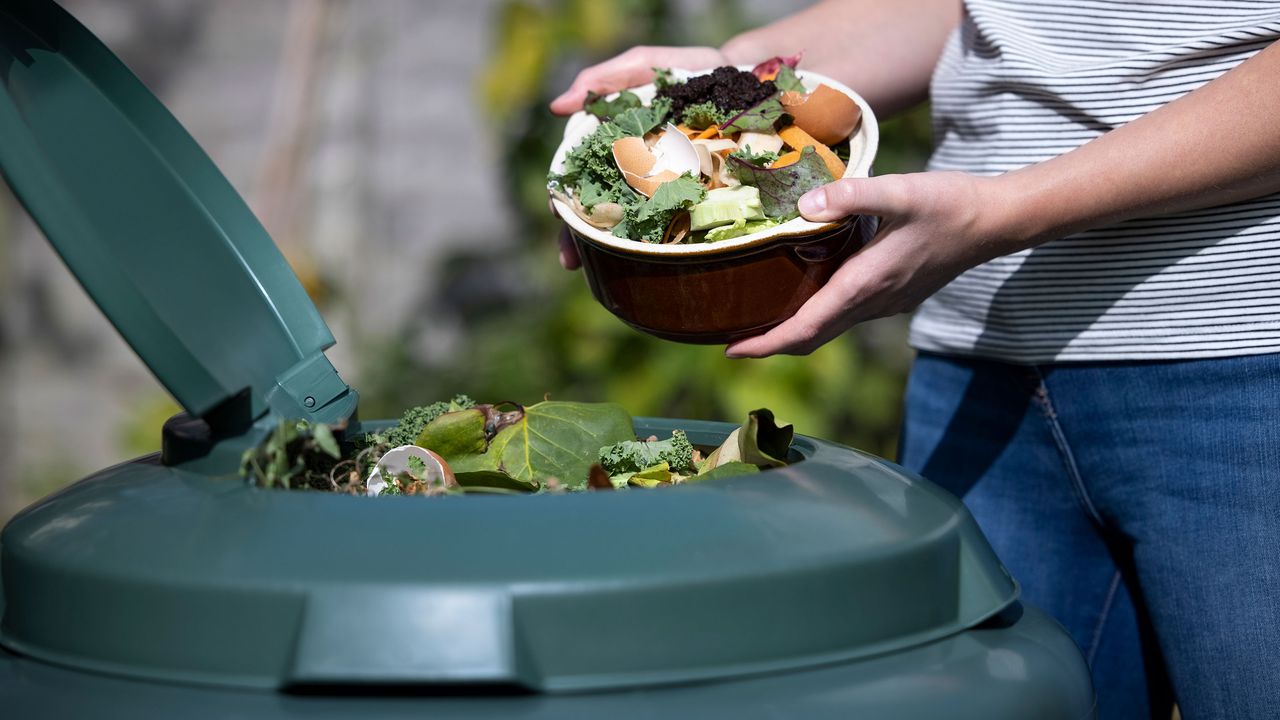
x=548, y=336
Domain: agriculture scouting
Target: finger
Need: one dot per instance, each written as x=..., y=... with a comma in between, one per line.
x=569, y=259
x=629, y=69
x=799, y=335
x=882, y=196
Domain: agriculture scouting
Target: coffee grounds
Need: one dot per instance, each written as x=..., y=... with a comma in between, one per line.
x=729, y=88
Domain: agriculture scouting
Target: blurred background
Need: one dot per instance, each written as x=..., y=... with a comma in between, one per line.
x=397, y=151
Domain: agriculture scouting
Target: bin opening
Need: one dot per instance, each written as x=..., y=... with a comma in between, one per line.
x=462, y=447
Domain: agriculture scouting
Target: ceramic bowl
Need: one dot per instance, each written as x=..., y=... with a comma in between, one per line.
x=720, y=292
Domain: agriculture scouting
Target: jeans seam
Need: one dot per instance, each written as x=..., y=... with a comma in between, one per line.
x=1064, y=448
x=1096, y=640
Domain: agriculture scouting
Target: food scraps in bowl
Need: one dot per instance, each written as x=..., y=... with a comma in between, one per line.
x=713, y=157
x=459, y=446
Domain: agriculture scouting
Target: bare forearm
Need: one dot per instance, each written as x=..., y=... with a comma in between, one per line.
x=1216, y=145
x=884, y=49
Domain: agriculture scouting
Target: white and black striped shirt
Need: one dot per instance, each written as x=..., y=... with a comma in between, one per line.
x=1023, y=81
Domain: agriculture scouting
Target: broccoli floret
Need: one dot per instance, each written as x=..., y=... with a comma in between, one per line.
x=414, y=419
x=703, y=115
x=632, y=456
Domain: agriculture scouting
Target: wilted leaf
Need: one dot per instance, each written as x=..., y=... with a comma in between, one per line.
x=598, y=479
x=764, y=442
x=760, y=441
x=455, y=435
x=652, y=476
x=323, y=436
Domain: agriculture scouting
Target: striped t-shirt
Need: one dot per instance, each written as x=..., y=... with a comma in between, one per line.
x=1023, y=81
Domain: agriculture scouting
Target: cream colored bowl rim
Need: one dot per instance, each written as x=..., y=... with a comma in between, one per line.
x=581, y=124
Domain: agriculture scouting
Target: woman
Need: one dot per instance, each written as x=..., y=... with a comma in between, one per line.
x=1095, y=253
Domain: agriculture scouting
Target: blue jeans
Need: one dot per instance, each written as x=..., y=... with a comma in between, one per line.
x=1137, y=502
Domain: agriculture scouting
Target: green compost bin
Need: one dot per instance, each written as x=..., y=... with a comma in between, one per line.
x=840, y=586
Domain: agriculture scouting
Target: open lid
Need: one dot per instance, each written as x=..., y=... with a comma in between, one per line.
x=153, y=231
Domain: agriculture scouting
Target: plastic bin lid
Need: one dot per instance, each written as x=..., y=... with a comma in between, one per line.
x=153, y=231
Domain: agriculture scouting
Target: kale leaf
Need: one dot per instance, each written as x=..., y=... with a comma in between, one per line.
x=414, y=419
x=663, y=78
x=631, y=456
x=759, y=159
x=606, y=109
x=639, y=120
x=703, y=115
x=589, y=169
x=647, y=221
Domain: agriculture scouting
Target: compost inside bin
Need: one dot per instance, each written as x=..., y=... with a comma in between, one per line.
x=461, y=446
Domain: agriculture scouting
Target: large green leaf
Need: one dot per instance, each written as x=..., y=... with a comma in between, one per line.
x=548, y=440
x=559, y=440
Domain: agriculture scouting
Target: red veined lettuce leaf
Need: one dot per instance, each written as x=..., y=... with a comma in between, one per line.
x=781, y=188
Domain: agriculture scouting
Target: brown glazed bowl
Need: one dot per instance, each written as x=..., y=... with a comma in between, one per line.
x=719, y=292
x=722, y=297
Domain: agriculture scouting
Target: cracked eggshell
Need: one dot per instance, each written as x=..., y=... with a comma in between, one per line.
x=396, y=461
x=827, y=114
x=636, y=163
x=645, y=170
x=675, y=152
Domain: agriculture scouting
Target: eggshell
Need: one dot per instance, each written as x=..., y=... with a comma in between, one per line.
x=827, y=114
x=645, y=170
x=396, y=461
x=632, y=156
x=675, y=152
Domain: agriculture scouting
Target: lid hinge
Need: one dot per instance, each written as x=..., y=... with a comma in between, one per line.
x=312, y=389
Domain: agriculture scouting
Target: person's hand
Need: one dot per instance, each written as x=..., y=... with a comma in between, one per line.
x=933, y=226
x=631, y=68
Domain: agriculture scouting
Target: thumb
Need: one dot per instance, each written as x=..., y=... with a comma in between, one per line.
x=882, y=196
